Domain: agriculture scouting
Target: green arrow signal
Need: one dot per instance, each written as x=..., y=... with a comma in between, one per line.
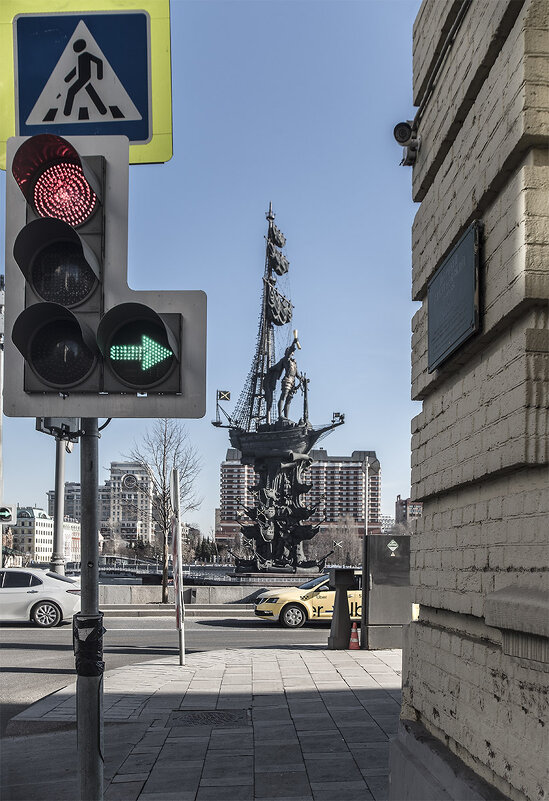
x=149, y=352
x=5, y=513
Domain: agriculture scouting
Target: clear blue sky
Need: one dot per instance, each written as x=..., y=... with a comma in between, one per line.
x=294, y=102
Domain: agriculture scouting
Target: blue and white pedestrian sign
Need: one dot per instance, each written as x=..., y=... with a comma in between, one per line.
x=83, y=74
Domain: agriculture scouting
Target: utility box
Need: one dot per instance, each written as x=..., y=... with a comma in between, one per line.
x=389, y=592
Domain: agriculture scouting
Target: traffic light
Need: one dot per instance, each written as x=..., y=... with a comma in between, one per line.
x=8, y=515
x=59, y=250
x=79, y=342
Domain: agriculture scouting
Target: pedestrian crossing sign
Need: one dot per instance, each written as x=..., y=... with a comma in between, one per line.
x=84, y=88
x=104, y=70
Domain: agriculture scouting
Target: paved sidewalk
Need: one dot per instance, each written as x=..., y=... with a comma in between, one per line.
x=273, y=724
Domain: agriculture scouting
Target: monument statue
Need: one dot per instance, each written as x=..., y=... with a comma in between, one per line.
x=277, y=448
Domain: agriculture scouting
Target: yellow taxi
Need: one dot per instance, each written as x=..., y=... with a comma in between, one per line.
x=292, y=607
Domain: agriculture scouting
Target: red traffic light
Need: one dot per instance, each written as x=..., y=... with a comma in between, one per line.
x=50, y=174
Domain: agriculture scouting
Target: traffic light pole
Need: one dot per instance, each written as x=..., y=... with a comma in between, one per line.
x=88, y=626
x=57, y=563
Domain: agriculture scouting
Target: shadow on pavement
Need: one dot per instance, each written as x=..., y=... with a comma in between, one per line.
x=262, y=625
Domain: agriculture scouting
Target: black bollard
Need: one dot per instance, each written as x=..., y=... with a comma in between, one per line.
x=341, y=579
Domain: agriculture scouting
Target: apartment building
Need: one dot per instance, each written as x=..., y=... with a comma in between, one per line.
x=338, y=491
x=235, y=494
x=339, y=488
x=407, y=510
x=33, y=535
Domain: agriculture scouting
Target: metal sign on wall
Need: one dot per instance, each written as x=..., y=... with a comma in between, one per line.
x=96, y=68
x=453, y=299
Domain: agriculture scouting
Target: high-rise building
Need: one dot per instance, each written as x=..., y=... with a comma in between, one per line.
x=72, y=506
x=338, y=491
x=339, y=488
x=131, y=502
x=236, y=480
x=407, y=510
x=105, y=526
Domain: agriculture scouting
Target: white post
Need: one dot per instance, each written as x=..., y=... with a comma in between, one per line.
x=177, y=565
x=365, y=616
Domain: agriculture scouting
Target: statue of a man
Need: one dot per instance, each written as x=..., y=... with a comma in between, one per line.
x=288, y=383
x=288, y=366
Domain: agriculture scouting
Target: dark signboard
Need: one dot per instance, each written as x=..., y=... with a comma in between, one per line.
x=390, y=595
x=452, y=299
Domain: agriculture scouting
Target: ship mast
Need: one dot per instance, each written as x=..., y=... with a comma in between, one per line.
x=253, y=408
x=270, y=329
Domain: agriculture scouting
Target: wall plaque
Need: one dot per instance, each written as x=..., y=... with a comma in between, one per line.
x=453, y=299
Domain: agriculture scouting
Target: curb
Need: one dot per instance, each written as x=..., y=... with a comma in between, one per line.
x=168, y=610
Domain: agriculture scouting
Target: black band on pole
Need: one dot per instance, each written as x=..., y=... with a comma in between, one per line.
x=87, y=633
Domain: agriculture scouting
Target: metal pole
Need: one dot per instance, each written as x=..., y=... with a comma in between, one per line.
x=57, y=563
x=177, y=565
x=365, y=615
x=2, y=296
x=88, y=627
x=181, y=631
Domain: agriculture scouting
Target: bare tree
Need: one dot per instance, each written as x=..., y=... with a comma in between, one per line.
x=342, y=538
x=164, y=446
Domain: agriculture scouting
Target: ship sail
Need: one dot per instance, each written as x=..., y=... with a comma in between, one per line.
x=277, y=260
x=276, y=236
x=279, y=308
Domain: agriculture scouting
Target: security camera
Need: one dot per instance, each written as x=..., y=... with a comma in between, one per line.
x=403, y=133
x=407, y=136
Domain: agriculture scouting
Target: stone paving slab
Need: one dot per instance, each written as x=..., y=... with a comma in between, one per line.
x=245, y=725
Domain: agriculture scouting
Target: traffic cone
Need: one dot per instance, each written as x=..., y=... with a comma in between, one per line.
x=353, y=642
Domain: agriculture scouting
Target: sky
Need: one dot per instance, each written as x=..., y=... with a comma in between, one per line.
x=291, y=102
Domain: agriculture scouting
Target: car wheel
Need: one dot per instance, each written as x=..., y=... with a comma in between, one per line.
x=46, y=614
x=293, y=616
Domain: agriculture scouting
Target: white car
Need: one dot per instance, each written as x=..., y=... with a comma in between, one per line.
x=27, y=593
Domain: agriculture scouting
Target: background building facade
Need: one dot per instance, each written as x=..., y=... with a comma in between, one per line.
x=474, y=718
x=72, y=507
x=407, y=510
x=235, y=482
x=33, y=536
x=338, y=491
x=125, y=504
x=131, y=503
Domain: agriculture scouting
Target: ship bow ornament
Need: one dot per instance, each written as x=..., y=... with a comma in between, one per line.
x=278, y=448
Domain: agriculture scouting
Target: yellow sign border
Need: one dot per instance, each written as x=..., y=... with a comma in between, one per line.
x=160, y=148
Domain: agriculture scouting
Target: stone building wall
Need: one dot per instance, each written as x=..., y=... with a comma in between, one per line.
x=474, y=721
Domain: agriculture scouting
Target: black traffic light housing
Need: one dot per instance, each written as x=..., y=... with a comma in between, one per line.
x=79, y=342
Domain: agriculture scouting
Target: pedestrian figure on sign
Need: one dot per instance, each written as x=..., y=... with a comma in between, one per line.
x=83, y=74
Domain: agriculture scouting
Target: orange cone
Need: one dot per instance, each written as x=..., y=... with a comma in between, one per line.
x=353, y=642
